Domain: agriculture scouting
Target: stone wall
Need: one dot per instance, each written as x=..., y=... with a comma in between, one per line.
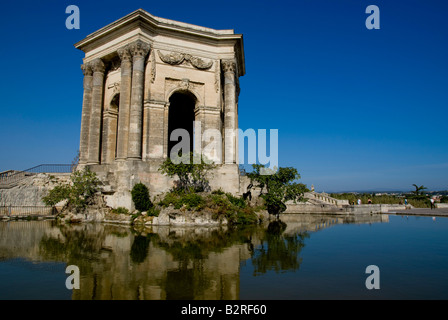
x=29, y=191
x=120, y=177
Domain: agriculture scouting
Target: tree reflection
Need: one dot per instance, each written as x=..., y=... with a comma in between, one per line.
x=278, y=252
x=139, y=249
x=73, y=245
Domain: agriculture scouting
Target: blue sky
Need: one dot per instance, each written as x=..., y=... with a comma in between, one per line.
x=356, y=109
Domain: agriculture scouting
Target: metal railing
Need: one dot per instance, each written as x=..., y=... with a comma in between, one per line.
x=27, y=211
x=11, y=177
x=7, y=173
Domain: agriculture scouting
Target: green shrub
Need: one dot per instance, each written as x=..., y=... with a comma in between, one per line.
x=57, y=194
x=239, y=202
x=153, y=211
x=193, y=201
x=179, y=199
x=234, y=209
x=191, y=169
x=246, y=216
x=218, y=200
x=218, y=191
x=140, y=197
x=171, y=198
x=78, y=194
x=120, y=210
x=135, y=216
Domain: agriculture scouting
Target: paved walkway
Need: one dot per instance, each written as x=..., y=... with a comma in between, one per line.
x=422, y=212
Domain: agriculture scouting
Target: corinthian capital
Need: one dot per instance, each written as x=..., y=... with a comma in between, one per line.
x=86, y=69
x=228, y=65
x=124, y=53
x=97, y=65
x=139, y=48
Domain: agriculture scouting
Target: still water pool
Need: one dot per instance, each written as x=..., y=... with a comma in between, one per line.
x=302, y=257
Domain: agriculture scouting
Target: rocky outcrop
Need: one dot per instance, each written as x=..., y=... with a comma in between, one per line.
x=31, y=190
x=178, y=217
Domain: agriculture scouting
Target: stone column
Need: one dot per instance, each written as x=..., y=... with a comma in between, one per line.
x=85, y=116
x=228, y=67
x=95, y=114
x=139, y=50
x=155, y=129
x=125, y=101
x=109, y=136
x=210, y=136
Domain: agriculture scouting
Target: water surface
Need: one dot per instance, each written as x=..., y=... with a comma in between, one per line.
x=301, y=257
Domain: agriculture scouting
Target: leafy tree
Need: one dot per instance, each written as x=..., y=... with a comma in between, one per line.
x=191, y=169
x=140, y=197
x=278, y=187
x=79, y=193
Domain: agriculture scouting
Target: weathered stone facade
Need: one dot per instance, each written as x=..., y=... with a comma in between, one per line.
x=145, y=76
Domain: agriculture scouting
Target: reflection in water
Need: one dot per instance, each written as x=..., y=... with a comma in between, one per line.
x=277, y=251
x=139, y=248
x=118, y=262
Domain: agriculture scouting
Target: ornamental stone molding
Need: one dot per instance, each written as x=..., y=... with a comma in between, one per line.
x=176, y=58
x=152, y=75
x=217, y=76
x=196, y=88
x=115, y=88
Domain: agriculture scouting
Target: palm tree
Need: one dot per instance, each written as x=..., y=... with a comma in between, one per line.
x=418, y=190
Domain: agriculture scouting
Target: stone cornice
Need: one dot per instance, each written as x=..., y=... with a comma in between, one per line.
x=140, y=19
x=160, y=23
x=207, y=109
x=154, y=104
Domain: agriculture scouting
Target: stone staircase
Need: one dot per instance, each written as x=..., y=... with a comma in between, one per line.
x=323, y=198
x=12, y=178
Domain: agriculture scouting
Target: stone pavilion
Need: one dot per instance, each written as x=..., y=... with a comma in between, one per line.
x=144, y=77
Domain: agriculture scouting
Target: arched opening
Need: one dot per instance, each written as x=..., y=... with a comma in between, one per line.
x=181, y=116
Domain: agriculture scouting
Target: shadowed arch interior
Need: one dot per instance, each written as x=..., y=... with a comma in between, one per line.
x=181, y=115
x=114, y=104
